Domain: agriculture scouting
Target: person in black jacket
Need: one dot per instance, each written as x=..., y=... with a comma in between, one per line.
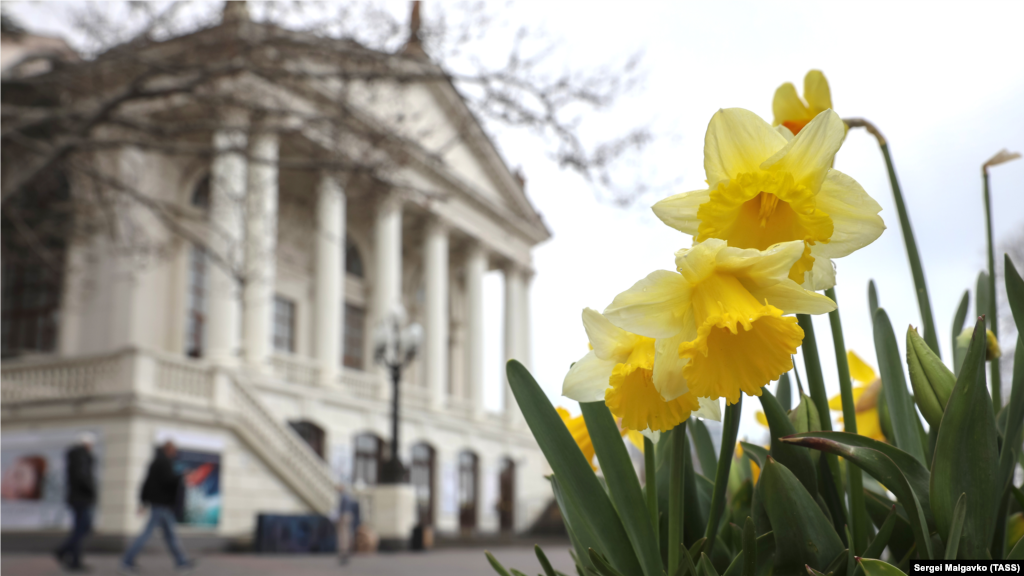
x=81, y=497
x=159, y=492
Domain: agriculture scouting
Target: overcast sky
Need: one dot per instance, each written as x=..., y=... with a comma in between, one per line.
x=944, y=81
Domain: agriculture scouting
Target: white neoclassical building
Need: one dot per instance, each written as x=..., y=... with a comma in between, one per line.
x=244, y=335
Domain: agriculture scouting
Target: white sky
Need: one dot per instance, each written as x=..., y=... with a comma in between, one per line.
x=944, y=81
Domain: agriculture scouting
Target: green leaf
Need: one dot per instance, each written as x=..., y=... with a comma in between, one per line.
x=901, y=407
x=959, y=513
x=879, y=465
x=677, y=504
x=872, y=298
x=730, y=428
x=784, y=392
x=803, y=535
x=838, y=565
x=960, y=317
x=981, y=300
x=756, y=453
x=623, y=484
x=495, y=564
x=597, y=524
x=601, y=564
x=1014, y=292
x=881, y=540
x=704, y=567
x=966, y=453
x=1017, y=553
x=1014, y=412
x=570, y=516
x=686, y=564
x=797, y=460
x=902, y=538
x=765, y=549
x=878, y=568
x=705, y=448
x=749, y=548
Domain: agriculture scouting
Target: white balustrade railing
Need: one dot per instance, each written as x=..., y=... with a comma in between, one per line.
x=295, y=369
x=60, y=379
x=184, y=377
x=361, y=384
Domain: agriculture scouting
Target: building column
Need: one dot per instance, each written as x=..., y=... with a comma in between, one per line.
x=436, y=318
x=260, y=249
x=526, y=340
x=514, y=288
x=227, y=196
x=387, y=285
x=476, y=266
x=330, y=267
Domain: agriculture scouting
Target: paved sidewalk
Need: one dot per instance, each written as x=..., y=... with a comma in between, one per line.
x=447, y=562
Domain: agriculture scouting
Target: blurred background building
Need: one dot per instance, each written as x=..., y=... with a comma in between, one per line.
x=211, y=267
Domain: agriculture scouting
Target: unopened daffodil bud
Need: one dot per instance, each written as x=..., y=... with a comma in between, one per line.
x=963, y=341
x=992, y=351
x=931, y=380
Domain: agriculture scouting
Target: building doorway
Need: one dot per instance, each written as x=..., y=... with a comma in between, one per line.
x=422, y=476
x=469, y=467
x=507, y=495
x=369, y=459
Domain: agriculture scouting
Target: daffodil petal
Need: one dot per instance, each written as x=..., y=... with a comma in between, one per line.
x=609, y=341
x=696, y=263
x=587, y=380
x=786, y=132
x=792, y=298
x=668, y=366
x=737, y=141
x=654, y=307
x=822, y=274
x=808, y=157
x=680, y=211
x=816, y=92
x=653, y=435
x=859, y=369
x=761, y=268
x=709, y=409
x=854, y=215
x=787, y=105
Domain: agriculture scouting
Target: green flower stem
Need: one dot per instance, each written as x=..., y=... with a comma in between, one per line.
x=651, y=485
x=730, y=428
x=858, y=513
x=677, y=461
x=923, y=301
x=816, y=386
x=997, y=385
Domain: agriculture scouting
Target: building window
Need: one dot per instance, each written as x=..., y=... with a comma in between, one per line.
x=31, y=305
x=507, y=494
x=195, y=319
x=369, y=459
x=312, y=434
x=354, y=336
x=201, y=194
x=422, y=477
x=284, y=324
x=353, y=259
x=468, y=488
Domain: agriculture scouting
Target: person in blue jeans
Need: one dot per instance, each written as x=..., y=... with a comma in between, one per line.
x=81, y=497
x=159, y=492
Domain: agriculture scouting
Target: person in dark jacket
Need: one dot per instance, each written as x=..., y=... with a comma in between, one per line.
x=81, y=497
x=159, y=492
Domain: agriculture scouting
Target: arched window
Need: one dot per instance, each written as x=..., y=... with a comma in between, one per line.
x=507, y=494
x=353, y=259
x=36, y=224
x=369, y=459
x=469, y=485
x=311, y=433
x=195, y=312
x=201, y=194
x=422, y=476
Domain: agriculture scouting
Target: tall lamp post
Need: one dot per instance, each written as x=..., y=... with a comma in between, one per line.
x=395, y=346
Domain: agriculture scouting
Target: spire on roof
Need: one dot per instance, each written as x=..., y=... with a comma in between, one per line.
x=235, y=11
x=414, y=45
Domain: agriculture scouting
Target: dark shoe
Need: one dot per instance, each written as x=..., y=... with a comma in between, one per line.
x=61, y=557
x=186, y=568
x=78, y=568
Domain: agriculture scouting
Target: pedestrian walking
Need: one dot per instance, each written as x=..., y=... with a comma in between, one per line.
x=159, y=492
x=348, y=522
x=81, y=497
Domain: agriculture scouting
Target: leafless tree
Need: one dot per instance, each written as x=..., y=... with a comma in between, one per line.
x=152, y=77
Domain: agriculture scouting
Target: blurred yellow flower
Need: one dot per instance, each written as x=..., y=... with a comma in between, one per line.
x=620, y=369
x=793, y=112
x=755, y=470
x=578, y=428
x=722, y=313
x=865, y=397
x=767, y=187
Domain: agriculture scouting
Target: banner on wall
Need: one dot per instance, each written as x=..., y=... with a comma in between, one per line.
x=199, y=502
x=33, y=478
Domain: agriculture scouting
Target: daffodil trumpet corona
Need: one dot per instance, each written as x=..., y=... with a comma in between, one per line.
x=621, y=370
x=718, y=323
x=766, y=186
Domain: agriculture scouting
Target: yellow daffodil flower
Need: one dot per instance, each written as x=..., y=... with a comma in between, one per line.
x=578, y=428
x=865, y=397
x=793, y=112
x=766, y=187
x=622, y=370
x=721, y=312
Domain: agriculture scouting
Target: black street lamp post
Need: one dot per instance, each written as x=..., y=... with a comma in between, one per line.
x=395, y=348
